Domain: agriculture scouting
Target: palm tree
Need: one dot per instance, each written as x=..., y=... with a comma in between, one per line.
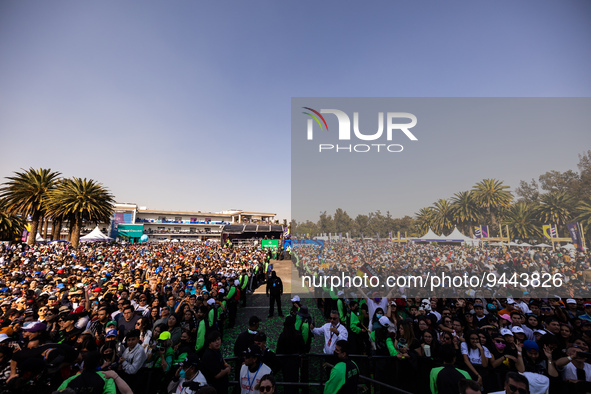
x=464, y=209
x=442, y=220
x=583, y=212
x=11, y=226
x=555, y=208
x=26, y=195
x=425, y=218
x=492, y=195
x=80, y=199
x=521, y=220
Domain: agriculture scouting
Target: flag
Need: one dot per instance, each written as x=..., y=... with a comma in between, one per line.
x=378, y=236
x=340, y=237
x=362, y=236
x=550, y=231
x=481, y=231
x=574, y=229
x=390, y=235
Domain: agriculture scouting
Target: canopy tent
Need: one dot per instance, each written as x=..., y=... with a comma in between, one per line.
x=429, y=237
x=542, y=246
x=457, y=236
x=569, y=247
x=95, y=236
x=524, y=245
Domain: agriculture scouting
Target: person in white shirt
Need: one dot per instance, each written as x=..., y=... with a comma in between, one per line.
x=252, y=370
x=333, y=331
x=133, y=359
x=188, y=378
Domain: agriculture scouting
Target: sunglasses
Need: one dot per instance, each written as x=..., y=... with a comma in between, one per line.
x=514, y=389
x=264, y=389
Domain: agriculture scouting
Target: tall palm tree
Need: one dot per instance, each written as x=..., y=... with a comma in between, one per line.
x=465, y=212
x=425, y=218
x=11, y=226
x=81, y=200
x=522, y=223
x=443, y=217
x=26, y=195
x=555, y=208
x=492, y=195
x=583, y=216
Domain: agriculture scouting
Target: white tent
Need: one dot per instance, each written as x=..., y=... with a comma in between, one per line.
x=430, y=236
x=569, y=247
x=456, y=235
x=95, y=236
x=524, y=245
x=543, y=246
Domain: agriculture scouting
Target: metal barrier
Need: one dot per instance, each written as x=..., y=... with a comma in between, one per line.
x=304, y=356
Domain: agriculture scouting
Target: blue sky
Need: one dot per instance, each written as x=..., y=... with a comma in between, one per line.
x=186, y=105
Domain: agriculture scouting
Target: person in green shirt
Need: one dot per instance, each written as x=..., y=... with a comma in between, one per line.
x=90, y=380
x=201, y=330
x=345, y=374
x=445, y=380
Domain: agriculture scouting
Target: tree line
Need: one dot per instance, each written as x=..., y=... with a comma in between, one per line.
x=43, y=196
x=555, y=198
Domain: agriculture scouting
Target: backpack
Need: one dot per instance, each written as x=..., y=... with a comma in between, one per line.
x=237, y=294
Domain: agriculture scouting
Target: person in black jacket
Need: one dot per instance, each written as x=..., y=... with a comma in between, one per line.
x=274, y=290
x=291, y=342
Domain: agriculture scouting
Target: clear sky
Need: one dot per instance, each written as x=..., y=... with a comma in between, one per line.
x=186, y=104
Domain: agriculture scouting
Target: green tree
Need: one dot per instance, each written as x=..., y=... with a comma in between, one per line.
x=25, y=194
x=442, y=222
x=464, y=210
x=555, y=208
x=342, y=221
x=521, y=221
x=11, y=226
x=528, y=192
x=492, y=195
x=362, y=225
x=425, y=219
x=81, y=200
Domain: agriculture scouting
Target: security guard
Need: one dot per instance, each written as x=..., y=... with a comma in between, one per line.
x=345, y=374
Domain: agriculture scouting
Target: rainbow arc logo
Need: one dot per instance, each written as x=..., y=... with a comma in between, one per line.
x=315, y=118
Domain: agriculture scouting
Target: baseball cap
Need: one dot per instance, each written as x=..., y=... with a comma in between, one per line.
x=510, y=301
x=210, y=301
x=517, y=330
x=253, y=320
x=112, y=333
x=4, y=337
x=295, y=299
x=570, y=301
x=165, y=335
x=384, y=321
x=506, y=317
x=34, y=327
x=111, y=323
x=505, y=331
x=192, y=359
x=252, y=351
x=531, y=345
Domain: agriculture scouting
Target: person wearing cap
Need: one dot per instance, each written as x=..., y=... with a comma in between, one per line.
x=444, y=380
x=68, y=333
x=162, y=357
x=232, y=303
x=187, y=378
x=532, y=360
x=518, y=320
x=132, y=359
x=243, y=283
x=90, y=380
x=268, y=356
x=296, y=304
x=252, y=370
x=33, y=330
x=345, y=374
x=332, y=331
x=246, y=338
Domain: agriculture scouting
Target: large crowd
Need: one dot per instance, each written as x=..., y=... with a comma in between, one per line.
x=151, y=318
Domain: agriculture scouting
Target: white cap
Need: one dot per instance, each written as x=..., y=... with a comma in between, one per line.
x=510, y=301
x=236, y=282
x=570, y=301
x=517, y=330
x=384, y=321
x=295, y=299
x=505, y=331
x=3, y=337
x=210, y=301
x=221, y=291
x=541, y=332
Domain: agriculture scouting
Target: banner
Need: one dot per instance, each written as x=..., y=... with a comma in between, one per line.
x=574, y=229
x=480, y=231
x=269, y=243
x=550, y=231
